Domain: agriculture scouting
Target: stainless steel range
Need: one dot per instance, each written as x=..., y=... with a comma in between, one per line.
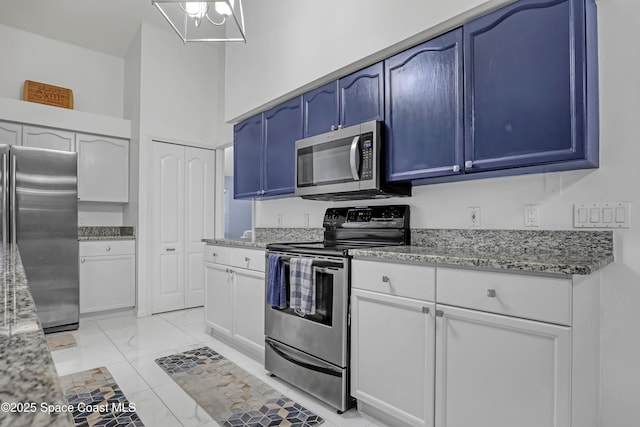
x=311, y=351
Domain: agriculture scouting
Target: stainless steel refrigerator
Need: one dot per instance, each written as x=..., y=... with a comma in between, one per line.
x=40, y=214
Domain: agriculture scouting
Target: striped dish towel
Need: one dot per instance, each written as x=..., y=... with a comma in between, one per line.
x=302, y=297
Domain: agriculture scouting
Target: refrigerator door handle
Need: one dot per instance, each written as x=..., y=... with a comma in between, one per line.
x=5, y=167
x=13, y=200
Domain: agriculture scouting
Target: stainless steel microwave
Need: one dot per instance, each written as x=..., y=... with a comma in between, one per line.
x=345, y=164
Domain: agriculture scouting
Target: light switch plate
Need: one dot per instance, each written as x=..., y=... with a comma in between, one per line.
x=602, y=215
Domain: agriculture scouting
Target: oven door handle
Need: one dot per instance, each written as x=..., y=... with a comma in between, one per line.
x=321, y=369
x=317, y=263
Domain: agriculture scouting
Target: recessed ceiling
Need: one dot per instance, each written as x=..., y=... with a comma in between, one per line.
x=106, y=26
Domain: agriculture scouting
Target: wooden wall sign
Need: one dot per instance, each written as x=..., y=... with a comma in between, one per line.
x=43, y=93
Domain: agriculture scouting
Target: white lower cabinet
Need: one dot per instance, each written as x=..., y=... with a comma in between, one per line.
x=489, y=352
x=219, y=294
x=235, y=296
x=499, y=371
x=107, y=275
x=392, y=344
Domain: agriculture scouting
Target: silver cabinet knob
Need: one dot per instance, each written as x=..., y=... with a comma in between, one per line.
x=214, y=254
x=468, y=164
x=247, y=259
x=82, y=260
x=339, y=126
x=108, y=248
x=491, y=293
x=333, y=127
x=456, y=168
x=386, y=279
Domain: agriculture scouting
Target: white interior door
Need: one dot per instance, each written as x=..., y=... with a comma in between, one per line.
x=199, y=181
x=168, y=227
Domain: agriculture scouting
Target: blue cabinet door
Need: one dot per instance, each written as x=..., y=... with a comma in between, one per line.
x=362, y=96
x=424, y=110
x=282, y=126
x=247, y=158
x=525, y=85
x=320, y=109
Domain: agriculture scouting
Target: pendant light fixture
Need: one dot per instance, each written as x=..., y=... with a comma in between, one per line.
x=204, y=21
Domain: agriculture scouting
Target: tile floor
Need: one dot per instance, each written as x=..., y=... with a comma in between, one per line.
x=128, y=347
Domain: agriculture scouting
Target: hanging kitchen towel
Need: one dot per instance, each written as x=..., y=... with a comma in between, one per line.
x=303, y=289
x=276, y=284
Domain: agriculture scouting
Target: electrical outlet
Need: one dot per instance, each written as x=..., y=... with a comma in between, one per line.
x=279, y=220
x=474, y=216
x=531, y=216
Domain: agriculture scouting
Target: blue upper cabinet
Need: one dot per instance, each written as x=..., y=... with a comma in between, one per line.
x=356, y=98
x=320, y=109
x=282, y=126
x=525, y=86
x=424, y=110
x=247, y=158
x=362, y=96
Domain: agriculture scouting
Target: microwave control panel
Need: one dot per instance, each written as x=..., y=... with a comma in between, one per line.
x=367, y=156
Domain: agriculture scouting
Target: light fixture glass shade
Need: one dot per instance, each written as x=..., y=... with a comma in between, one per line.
x=209, y=21
x=223, y=8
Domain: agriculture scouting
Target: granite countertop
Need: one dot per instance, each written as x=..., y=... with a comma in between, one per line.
x=558, y=252
x=27, y=371
x=106, y=233
x=238, y=243
x=265, y=236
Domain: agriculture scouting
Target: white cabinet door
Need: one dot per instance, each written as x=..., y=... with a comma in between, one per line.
x=107, y=282
x=199, y=215
x=168, y=226
x=499, y=371
x=392, y=355
x=103, y=169
x=53, y=139
x=10, y=133
x=218, y=298
x=248, y=308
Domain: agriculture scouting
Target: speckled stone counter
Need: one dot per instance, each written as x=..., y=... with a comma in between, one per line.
x=106, y=233
x=27, y=372
x=559, y=252
x=265, y=236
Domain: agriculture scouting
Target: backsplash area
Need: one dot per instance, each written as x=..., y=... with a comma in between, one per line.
x=288, y=234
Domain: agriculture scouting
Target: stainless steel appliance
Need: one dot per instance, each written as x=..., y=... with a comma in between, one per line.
x=312, y=351
x=40, y=215
x=345, y=164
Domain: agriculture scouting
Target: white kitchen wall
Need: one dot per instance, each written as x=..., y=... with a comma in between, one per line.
x=280, y=58
x=178, y=99
x=95, y=78
x=294, y=43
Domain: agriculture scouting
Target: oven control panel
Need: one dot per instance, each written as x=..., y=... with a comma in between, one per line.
x=390, y=216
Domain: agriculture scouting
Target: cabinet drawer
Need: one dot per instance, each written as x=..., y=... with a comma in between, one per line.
x=406, y=280
x=531, y=297
x=252, y=259
x=217, y=254
x=107, y=247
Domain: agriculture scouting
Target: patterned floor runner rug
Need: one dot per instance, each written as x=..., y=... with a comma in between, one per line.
x=231, y=395
x=98, y=400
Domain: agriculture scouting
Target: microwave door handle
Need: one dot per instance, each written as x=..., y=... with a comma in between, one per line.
x=354, y=159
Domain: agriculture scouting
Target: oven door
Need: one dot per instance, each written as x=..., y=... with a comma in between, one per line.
x=324, y=334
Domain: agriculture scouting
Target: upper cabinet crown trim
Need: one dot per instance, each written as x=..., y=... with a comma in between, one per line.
x=15, y=110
